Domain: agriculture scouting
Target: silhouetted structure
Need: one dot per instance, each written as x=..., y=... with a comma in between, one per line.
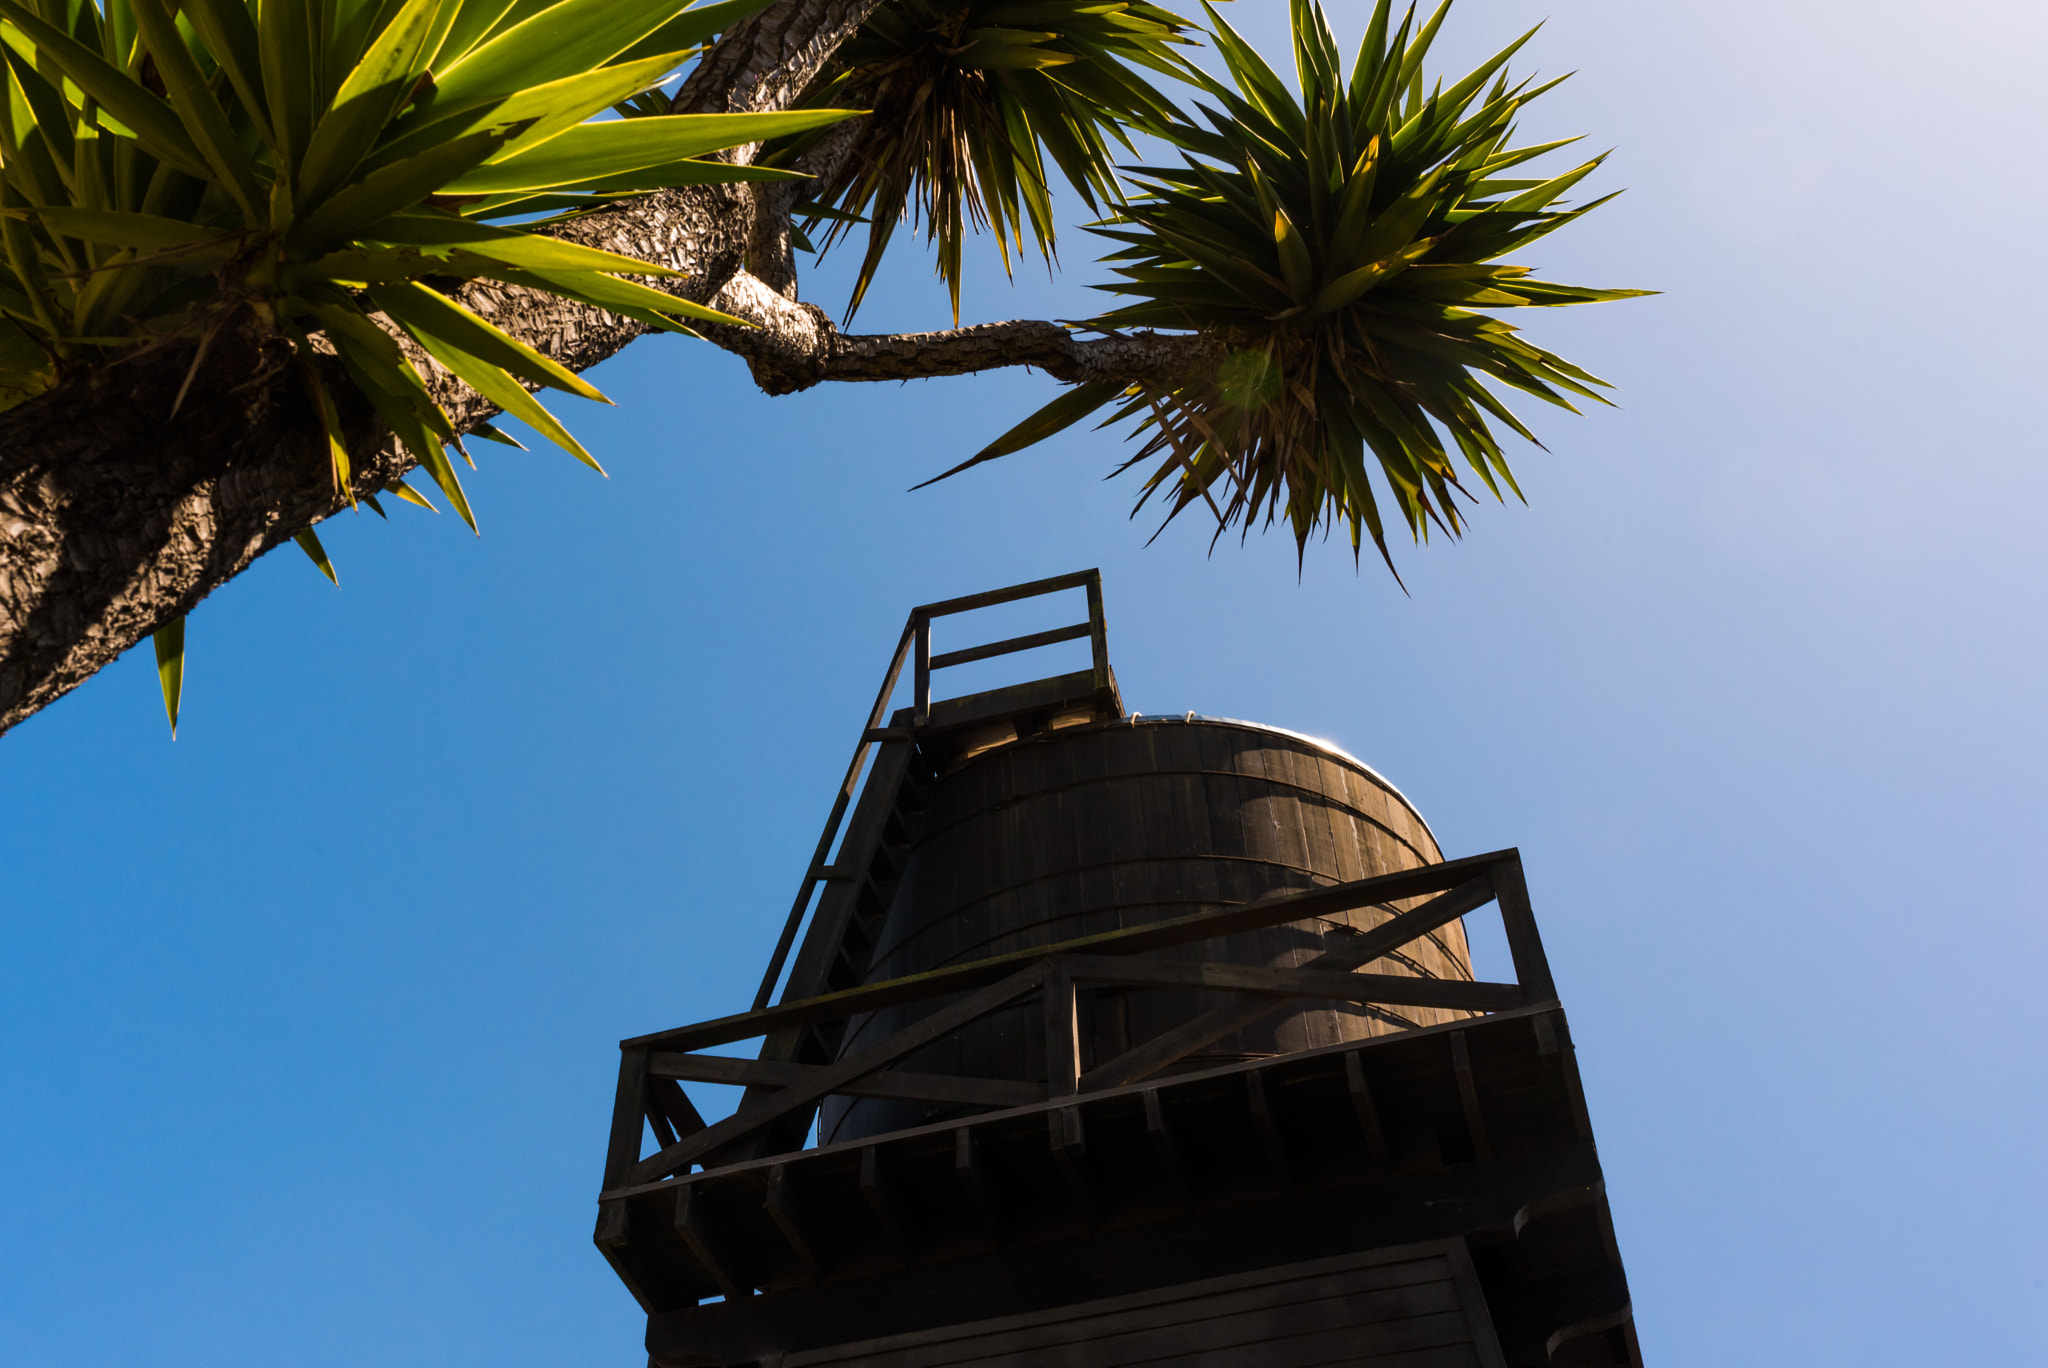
x=1126, y=1040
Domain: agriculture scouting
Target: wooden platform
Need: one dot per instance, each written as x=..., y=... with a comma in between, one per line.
x=1473, y=1133
x=1421, y=1199
x=1417, y=1306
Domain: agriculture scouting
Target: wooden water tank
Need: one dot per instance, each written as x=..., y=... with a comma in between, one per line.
x=1104, y=826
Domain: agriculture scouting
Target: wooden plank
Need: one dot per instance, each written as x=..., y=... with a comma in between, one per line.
x=911, y=1087
x=785, y=1206
x=834, y=1077
x=921, y=705
x=821, y=946
x=941, y=1132
x=1567, y=1060
x=1395, y=989
x=629, y=1114
x=1532, y=968
x=664, y=1133
x=1070, y=1156
x=1485, y=1339
x=613, y=1224
x=973, y=1174
x=1171, y=1046
x=665, y=1095
x=1463, y=877
x=1030, y=642
x=1366, y=1311
x=1269, y=1133
x=1468, y=1094
x=1166, y=1145
x=693, y=1223
x=1052, y=692
x=1077, y=579
x=1062, y=1031
x=878, y=1188
x=1363, y=1108
x=847, y=788
x=1098, y=632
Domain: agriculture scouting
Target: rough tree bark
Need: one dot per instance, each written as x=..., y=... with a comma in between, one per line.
x=120, y=509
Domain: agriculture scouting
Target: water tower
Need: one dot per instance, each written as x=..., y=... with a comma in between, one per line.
x=1113, y=1040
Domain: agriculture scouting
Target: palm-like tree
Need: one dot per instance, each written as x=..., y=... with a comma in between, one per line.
x=314, y=244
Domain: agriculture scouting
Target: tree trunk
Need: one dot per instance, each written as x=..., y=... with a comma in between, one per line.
x=121, y=508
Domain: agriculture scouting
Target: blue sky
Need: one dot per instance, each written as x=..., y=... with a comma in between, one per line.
x=308, y=1019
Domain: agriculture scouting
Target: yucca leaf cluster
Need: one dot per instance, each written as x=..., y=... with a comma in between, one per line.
x=970, y=99
x=1344, y=246
x=337, y=167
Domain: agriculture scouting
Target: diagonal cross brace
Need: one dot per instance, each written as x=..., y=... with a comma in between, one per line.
x=835, y=1077
x=1162, y=1050
x=1319, y=981
x=1130, y=940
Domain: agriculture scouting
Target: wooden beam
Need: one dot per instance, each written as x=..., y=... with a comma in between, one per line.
x=693, y=1223
x=786, y=1207
x=1362, y=1107
x=990, y=598
x=1009, y=647
x=1142, y=1061
x=613, y=1224
x=1070, y=1156
x=1460, y=876
x=666, y=1096
x=1532, y=968
x=833, y=1078
x=1166, y=1145
x=629, y=1114
x=664, y=1134
x=1468, y=1093
x=1567, y=1061
x=910, y=1087
x=1404, y=990
x=1062, y=1031
x=1268, y=1133
x=921, y=693
x=847, y=788
x=879, y=1188
x=1098, y=629
x=969, y=1168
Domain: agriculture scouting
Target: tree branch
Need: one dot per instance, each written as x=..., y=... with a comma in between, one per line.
x=795, y=346
x=116, y=517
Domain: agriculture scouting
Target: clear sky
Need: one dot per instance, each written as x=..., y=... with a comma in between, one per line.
x=308, y=1019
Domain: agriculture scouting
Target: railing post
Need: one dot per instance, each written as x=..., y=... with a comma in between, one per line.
x=1098, y=631
x=629, y=1114
x=1532, y=970
x=1062, y=1031
x=923, y=713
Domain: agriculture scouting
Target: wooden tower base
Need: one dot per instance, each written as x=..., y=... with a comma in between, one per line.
x=1429, y=1198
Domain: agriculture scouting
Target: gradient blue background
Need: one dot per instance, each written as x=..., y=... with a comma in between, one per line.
x=307, y=1020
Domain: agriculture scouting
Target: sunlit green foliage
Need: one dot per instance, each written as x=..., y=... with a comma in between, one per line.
x=1339, y=244
x=313, y=163
x=167, y=169
x=330, y=172
x=969, y=99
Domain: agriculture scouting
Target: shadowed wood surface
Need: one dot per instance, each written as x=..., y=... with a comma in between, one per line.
x=1098, y=828
x=1411, y=1307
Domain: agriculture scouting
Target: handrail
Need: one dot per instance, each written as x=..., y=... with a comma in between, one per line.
x=1459, y=886
x=917, y=636
x=921, y=621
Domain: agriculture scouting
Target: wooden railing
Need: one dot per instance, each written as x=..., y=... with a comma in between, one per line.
x=916, y=643
x=652, y=1066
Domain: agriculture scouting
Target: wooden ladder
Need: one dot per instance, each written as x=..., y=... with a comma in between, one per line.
x=886, y=810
